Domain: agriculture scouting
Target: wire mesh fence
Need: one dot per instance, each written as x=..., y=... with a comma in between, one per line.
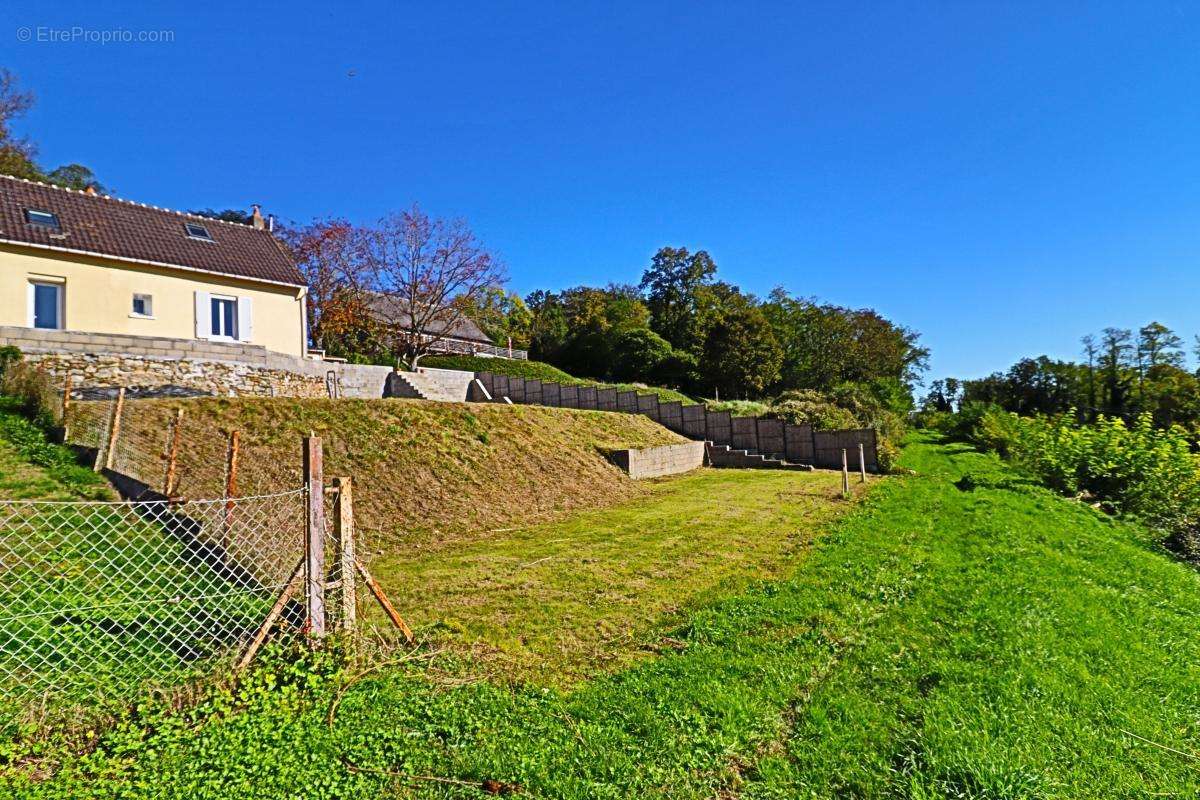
x=97, y=598
x=106, y=599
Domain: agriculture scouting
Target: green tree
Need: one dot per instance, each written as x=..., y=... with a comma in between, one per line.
x=547, y=326
x=502, y=315
x=225, y=214
x=640, y=354
x=1157, y=344
x=16, y=153
x=825, y=345
x=75, y=176
x=671, y=286
x=741, y=356
x=1115, y=350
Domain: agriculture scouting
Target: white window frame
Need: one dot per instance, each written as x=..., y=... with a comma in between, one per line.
x=149, y=304
x=58, y=283
x=221, y=337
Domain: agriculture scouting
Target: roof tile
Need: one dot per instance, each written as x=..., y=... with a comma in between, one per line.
x=126, y=230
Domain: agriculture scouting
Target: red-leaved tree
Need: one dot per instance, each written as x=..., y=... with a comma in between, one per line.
x=422, y=275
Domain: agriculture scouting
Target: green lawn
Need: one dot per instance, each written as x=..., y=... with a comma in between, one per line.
x=564, y=599
x=958, y=634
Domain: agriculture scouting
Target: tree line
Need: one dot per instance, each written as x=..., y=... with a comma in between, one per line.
x=1121, y=373
x=679, y=327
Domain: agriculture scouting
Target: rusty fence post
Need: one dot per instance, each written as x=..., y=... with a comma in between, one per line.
x=314, y=538
x=114, y=431
x=343, y=528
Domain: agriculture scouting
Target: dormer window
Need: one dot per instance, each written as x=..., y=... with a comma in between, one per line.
x=197, y=231
x=42, y=219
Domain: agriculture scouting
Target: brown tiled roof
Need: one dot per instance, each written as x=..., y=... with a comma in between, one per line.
x=394, y=311
x=121, y=229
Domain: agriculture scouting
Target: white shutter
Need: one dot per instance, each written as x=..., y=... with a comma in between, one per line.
x=203, y=315
x=245, y=322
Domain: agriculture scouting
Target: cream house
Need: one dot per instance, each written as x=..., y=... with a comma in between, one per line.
x=74, y=261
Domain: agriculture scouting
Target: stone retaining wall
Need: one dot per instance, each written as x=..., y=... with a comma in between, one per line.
x=654, y=462
x=150, y=362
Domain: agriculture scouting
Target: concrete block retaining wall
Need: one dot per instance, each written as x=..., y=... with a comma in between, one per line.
x=653, y=462
x=799, y=444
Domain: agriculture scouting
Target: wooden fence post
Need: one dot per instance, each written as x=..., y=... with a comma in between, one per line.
x=862, y=464
x=66, y=407
x=845, y=475
x=231, y=469
x=173, y=453
x=343, y=527
x=114, y=431
x=314, y=539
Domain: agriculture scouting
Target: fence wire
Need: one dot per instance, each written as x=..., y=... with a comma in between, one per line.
x=98, y=598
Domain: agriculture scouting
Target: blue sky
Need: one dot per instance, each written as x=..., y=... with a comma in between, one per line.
x=1001, y=177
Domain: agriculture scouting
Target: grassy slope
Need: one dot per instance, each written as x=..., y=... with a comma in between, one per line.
x=424, y=472
x=938, y=643
x=542, y=371
x=32, y=468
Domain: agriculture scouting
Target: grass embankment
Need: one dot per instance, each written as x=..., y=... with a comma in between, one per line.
x=959, y=634
x=34, y=468
x=537, y=370
x=424, y=472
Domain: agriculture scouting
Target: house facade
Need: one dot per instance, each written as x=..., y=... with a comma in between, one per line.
x=77, y=262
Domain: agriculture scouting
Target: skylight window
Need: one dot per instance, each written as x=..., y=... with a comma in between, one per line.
x=197, y=231
x=43, y=219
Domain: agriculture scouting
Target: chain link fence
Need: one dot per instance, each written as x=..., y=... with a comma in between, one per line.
x=103, y=600
x=97, y=598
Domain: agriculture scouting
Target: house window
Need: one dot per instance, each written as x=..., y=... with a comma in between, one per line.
x=46, y=305
x=43, y=219
x=197, y=231
x=143, y=305
x=224, y=317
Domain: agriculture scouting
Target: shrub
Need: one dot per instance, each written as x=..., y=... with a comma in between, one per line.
x=35, y=395
x=9, y=355
x=1139, y=470
x=739, y=408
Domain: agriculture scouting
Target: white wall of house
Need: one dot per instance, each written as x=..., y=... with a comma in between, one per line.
x=96, y=295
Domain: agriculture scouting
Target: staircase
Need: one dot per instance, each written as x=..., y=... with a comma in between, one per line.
x=442, y=385
x=722, y=455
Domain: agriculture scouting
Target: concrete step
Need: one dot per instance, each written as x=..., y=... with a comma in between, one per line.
x=442, y=385
x=722, y=455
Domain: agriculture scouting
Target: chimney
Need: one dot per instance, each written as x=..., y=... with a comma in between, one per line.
x=256, y=218
x=89, y=189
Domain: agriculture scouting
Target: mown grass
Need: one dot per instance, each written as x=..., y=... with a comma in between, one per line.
x=959, y=634
x=561, y=600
